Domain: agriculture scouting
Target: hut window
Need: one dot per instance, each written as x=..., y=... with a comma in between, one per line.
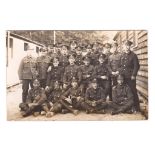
x=25, y=46
x=11, y=43
x=11, y=46
x=37, y=49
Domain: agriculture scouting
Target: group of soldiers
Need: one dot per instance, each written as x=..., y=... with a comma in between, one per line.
x=94, y=78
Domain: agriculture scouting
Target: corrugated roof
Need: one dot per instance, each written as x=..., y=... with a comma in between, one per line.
x=25, y=39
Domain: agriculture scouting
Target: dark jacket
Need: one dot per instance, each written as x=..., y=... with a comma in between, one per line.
x=97, y=95
x=70, y=72
x=36, y=96
x=129, y=65
x=114, y=62
x=122, y=95
x=54, y=75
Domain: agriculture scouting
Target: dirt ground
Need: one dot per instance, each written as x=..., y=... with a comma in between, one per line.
x=13, y=113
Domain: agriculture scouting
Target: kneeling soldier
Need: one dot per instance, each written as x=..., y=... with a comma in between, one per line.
x=122, y=97
x=95, y=99
x=36, y=101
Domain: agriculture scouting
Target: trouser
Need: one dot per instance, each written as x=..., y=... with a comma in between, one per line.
x=114, y=81
x=28, y=109
x=25, y=88
x=78, y=104
x=132, y=85
x=43, y=83
x=97, y=108
x=57, y=107
x=124, y=107
x=110, y=90
x=68, y=106
x=84, y=86
x=105, y=84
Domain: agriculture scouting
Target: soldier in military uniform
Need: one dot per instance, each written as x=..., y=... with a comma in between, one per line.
x=122, y=97
x=78, y=57
x=107, y=51
x=95, y=100
x=93, y=55
x=36, y=101
x=71, y=71
x=114, y=64
x=102, y=75
x=73, y=46
x=107, y=48
x=43, y=62
x=58, y=48
x=27, y=72
x=129, y=68
x=101, y=49
x=73, y=97
x=86, y=71
x=55, y=99
x=56, y=74
x=64, y=57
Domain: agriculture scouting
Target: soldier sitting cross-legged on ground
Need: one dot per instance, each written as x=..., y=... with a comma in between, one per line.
x=73, y=97
x=36, y=101
x=122, y=97
x=95, y=100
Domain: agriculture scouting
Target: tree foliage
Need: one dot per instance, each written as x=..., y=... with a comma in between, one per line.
x=46, y=37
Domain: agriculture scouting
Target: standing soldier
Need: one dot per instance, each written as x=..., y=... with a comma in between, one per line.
x=86, y=71
x=36, y=101
x=54, y=75
x=101, y=73
x=129, y=68
x=58, y=48
x=122, y=97
x=107, y=48
x=100, y=48
x=79, y=57
x=43, y=62
x=27, y=72
x=64, y=57
x=94, y=54
x=71, y=71
x=106, y=51
x=73, y=46
x=95, y=99
x=114, y=64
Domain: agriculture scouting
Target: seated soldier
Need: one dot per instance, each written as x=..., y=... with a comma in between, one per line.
x=55, y=99
x=122, y=97
x=36, y=101
x=95, y=99
x=73, y=96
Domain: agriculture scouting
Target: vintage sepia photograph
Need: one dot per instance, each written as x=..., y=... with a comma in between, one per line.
x=77, y=75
